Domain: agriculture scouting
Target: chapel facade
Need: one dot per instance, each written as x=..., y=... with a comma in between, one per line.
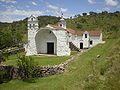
x=58, y=40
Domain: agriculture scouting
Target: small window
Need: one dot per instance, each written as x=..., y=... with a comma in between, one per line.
x=91, y=42
x=30, y=25
x=33, y=25
x=85, y=35
x=31, y=19
x=60, y=25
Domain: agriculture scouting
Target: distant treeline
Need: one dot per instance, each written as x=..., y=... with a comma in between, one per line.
x=15, y=33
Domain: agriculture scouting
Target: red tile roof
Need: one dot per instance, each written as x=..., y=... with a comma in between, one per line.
x=71, y=31
x=57, y=27
x=80, y=33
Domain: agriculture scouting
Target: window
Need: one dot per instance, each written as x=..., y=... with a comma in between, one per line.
x=33, y=25
x=30, y=25
x=91, y=42
x=60, y=25
x=31, y=19
x=85, y=35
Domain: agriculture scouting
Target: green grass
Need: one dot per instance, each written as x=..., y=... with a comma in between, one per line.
x=74, y=52
x=42, y=61
x=75, y=77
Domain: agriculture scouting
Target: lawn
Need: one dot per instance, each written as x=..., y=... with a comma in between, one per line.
x=42, y=61
x=76, y=75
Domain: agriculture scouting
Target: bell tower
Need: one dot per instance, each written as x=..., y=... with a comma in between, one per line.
x=62, y=22
x=32, y=31
x=32, y=22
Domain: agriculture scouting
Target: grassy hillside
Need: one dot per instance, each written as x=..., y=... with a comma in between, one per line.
x=42, y=61
x=86, y=73
x=107, y=22
x=16, y=32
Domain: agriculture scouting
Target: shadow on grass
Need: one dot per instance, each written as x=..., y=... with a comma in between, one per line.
x=30, y=80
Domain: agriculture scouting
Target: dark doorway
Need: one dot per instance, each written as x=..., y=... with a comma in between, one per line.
x=91, y=42
x=50, y=48
x=81, y=45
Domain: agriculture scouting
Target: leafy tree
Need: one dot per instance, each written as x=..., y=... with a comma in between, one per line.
x=79, y=26
x=84, y=14
x=27, y=66
x=92, y=13
x=104, y=12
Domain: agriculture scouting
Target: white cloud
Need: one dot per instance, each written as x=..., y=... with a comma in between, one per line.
x=118, y=7
x=27, y=6
x=13, y=14
x=53, y=7
x=64, y=9
x=11, y=7
x=98, y=10
x=57, y=8
x=34, y=3
x=103, y=9
x=106, y=8
x=111, y=2
x=7, y=18
x=91, y=1
x=21, y=12
x=9, y=1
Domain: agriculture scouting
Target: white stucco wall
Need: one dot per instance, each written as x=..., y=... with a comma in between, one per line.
x=32, y=30
x=42, y=38
x=96, y=40
x=62, y=43
x=31, y=46
x=76, y=40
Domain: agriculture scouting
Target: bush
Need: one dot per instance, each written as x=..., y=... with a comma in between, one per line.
x=27, y=66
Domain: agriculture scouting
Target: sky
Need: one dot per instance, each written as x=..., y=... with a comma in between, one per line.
x=14, y=10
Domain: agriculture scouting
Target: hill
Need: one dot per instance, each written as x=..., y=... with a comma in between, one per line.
x=17, y=31
x=87, y=72
x=14, y=33
x=107, y=22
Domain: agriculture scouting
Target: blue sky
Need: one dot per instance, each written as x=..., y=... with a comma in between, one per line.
x=14, y=10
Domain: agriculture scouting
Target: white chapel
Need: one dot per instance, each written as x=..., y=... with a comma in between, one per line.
x=58, y=40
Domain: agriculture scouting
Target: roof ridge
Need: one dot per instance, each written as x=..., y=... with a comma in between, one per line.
x=78, y=32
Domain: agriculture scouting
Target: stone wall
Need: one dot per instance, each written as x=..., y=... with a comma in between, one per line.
x=13, y=72
x=12, y=52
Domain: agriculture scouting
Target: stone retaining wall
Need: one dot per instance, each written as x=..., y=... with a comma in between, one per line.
x=12, y=52
x=14, y=72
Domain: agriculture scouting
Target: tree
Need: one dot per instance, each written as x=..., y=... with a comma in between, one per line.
x=84, y=14
x=83, y=20
x=104, y=12
x=79, y=26
x=27, y=66
x=117, y=12
x=92, y=13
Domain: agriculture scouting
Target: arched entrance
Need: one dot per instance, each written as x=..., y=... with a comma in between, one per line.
x=46, y=42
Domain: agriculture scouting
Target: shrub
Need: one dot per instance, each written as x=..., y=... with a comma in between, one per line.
x=27, y=66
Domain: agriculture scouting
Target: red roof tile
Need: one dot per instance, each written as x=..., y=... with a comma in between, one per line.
x=71, y=31
x=95, y=33
x=80, y=33
x=57, y=27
